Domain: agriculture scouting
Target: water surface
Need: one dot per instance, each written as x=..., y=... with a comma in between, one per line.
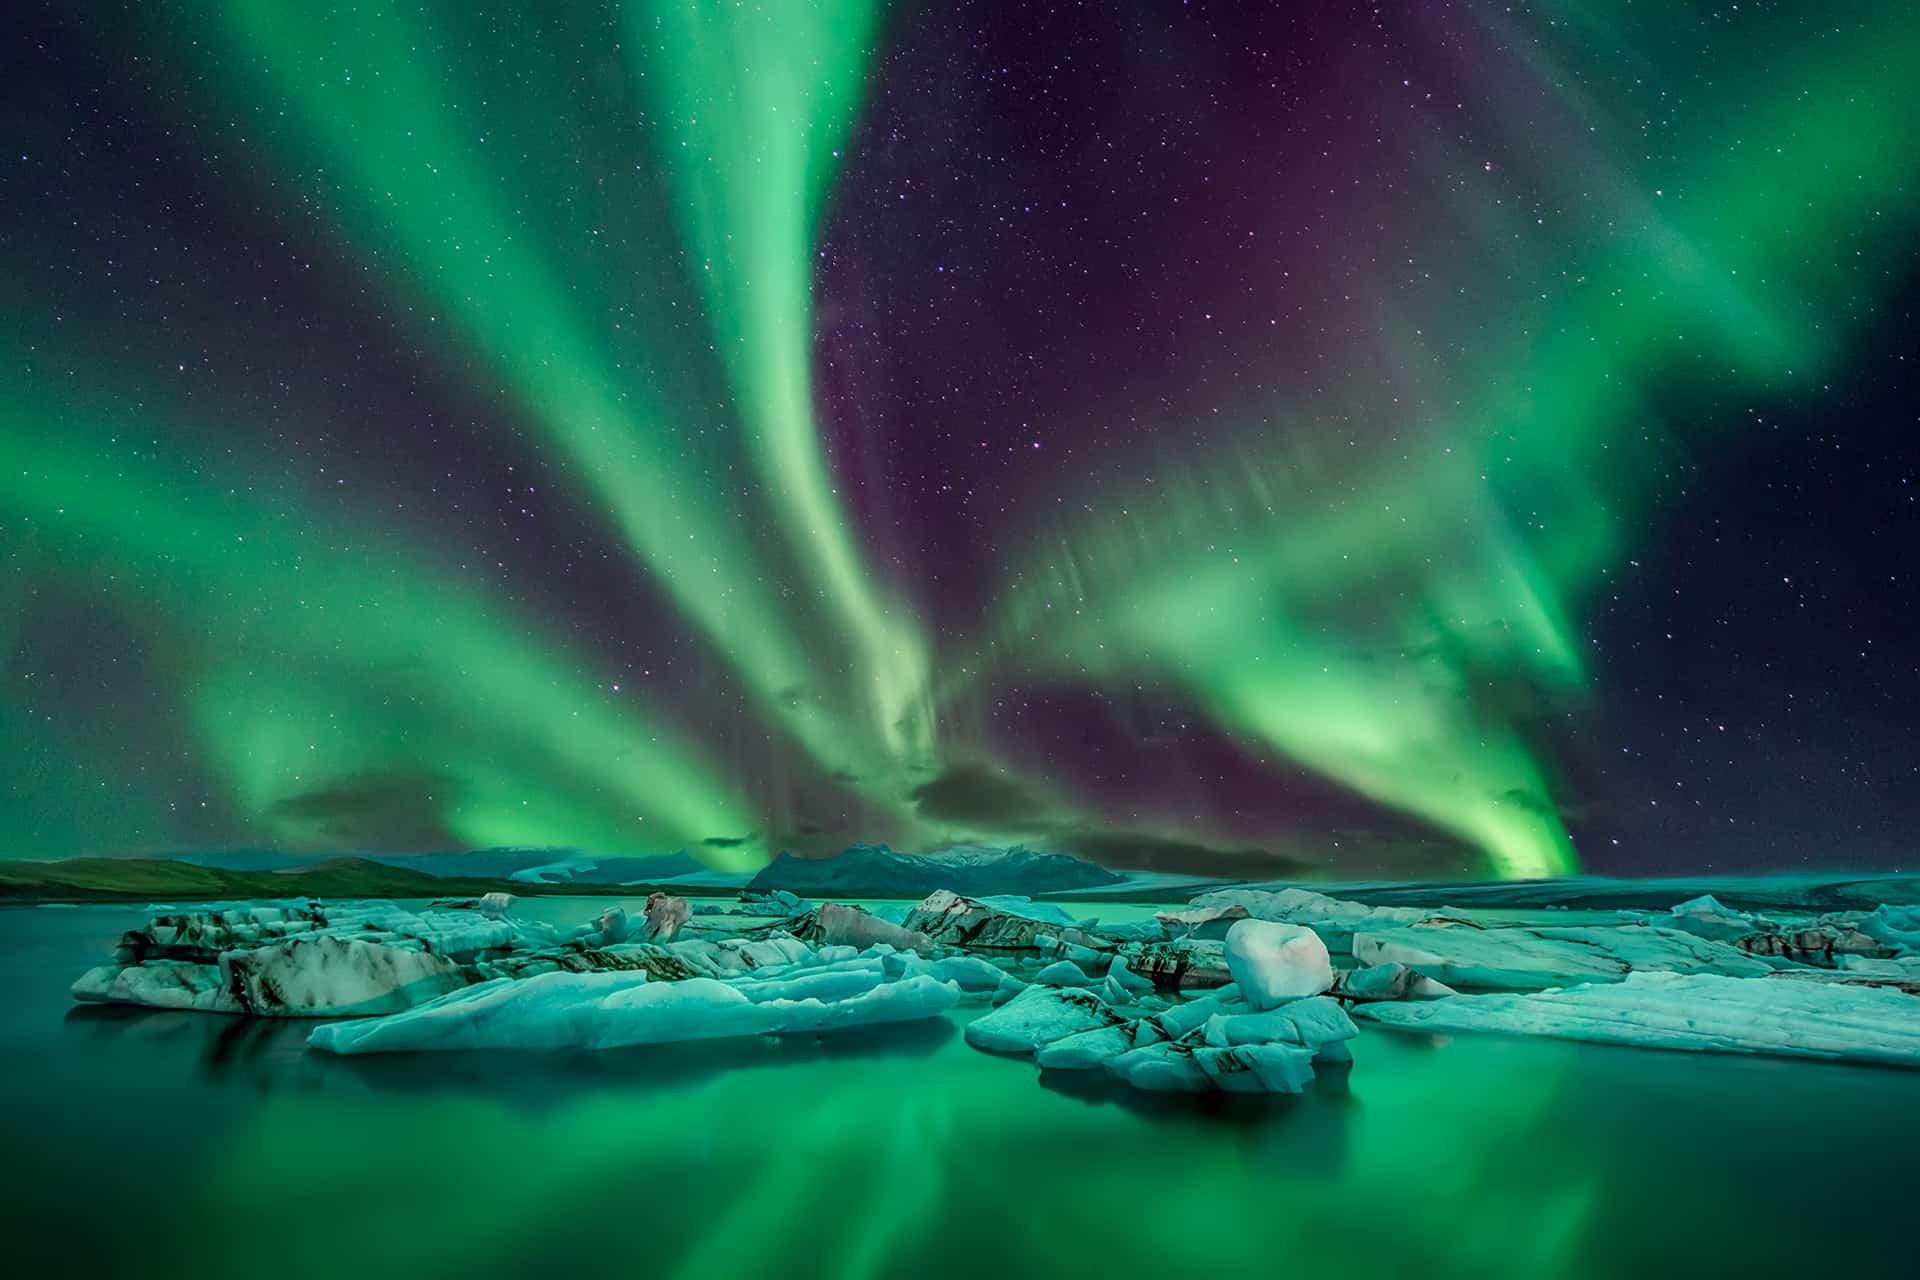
x=157, y=1143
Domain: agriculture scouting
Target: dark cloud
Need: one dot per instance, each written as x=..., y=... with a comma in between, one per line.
x=971, y=793
x=1128, y=851
x=396, y=811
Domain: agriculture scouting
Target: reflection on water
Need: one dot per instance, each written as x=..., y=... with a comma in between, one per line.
x=150, y=1142
x=268, y=1054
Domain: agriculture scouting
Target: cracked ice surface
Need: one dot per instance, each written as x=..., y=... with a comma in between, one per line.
x=1702, y=1011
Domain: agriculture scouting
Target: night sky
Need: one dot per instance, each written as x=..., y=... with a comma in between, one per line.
x=1419, y=439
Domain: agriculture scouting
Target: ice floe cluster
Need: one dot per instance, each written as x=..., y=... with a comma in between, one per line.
x=1238, y=990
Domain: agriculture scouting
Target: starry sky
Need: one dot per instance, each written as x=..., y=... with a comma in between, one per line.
x=1411, y=439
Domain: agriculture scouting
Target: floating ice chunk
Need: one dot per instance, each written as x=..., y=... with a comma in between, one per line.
x=158, y=984
x=1063, y=973
x=1039, y=1016
x=1122, y=976
x=779, y=902
x=974, y=976
x=1387, y=982
x=1274, y=963
x=666, y=916
x=850, y=926
x=1896, y=967
x=1334, y=919
x=951, y=920
x=301, y=959
x=1707, y=917
x=606, y=1011
x=613, y=926
x=1893, y=924
x=1085, y=1050
x=1706, y=1012
x=1014, y=904
x=495, y=905
x=1088, y=960
x=1133, y=931
x=1310, y=1023
x=644, y=957
x=1176, y=1021
x=220, y=927
x=1263, y=1068
x=1466, y=955
x=1187, y=963
x=1821, y=942
x=723, y=956
x=1202, y=922
x=330, y=975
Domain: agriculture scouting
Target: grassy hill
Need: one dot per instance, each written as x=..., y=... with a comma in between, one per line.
x=164, y=879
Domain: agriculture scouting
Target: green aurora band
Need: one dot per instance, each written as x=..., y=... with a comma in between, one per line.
x=1397, y=613
x=756, y=103
x=316, y=653
x=1352, y=616
x=440, y=197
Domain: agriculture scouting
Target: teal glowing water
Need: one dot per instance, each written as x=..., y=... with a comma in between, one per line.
x=154, y=1143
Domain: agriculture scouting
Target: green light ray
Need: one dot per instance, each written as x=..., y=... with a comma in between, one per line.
x=755, y=103
x=415, y=182
x=326, y=653
x=1347, y=614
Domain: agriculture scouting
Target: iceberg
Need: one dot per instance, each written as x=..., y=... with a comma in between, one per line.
x=778, y=903
x=949, y=919
x=1186, y=964
x=1189, y=1068
x=666, y=915
x=1201, y=922
x=1027, y=908
x=1821, y=943
x=1707, y=917
x=1216, y=1043
x=1897, y=968
x=1274, y=963
x=1387, y=982
x=616, y=1010
x=308, y=960
x=836, y=925
x=335, y=975
x=1039, y=1016
x=1312, y=1023
x=1893, y=924
x=1085, y=1050
x=975, y=977
x=1469, y=955
x=1334, y=919
x=1699, y=1011
x=1063, y=973
x=158, y=984
x=612, y=926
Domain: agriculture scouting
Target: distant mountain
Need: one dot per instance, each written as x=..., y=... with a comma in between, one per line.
x=584, y=869
x=543, y=865
x=171, y=879
x=108, y=879
x=875, y=871
x=241, y=859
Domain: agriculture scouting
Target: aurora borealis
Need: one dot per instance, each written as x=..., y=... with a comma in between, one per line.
x=1414, y=440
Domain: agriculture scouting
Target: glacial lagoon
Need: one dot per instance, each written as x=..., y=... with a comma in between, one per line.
x=159, y=1143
